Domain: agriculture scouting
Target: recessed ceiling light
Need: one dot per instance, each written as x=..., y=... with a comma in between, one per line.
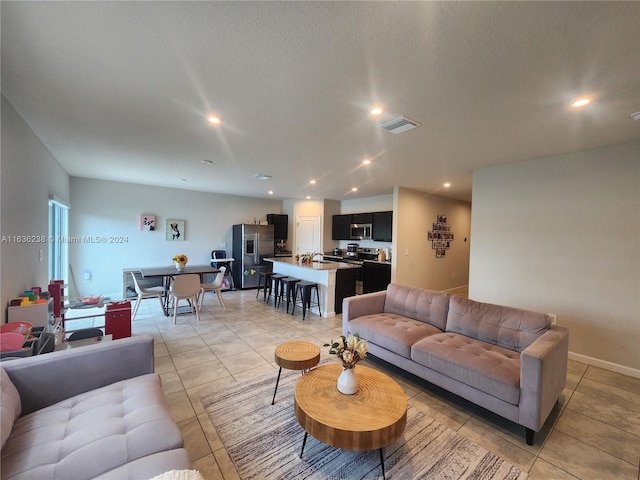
x=581, y=102
x=215, y=119
x=446, y=185
x=308, y=197
x=270, y=192
x=312, y=182
x=366, y=162
x=206, y=162
x=182, y=179
x=376, y=110
x=354, y=189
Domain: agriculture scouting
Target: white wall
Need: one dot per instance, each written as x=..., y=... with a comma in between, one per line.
x=29, y=175
x=414, y=261
x=562, y=235
x=113, y=209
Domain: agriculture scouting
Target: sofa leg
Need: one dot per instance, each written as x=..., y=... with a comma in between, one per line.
x=529, y=435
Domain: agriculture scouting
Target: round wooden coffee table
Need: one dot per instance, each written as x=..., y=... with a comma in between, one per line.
x=372, y=418
x=296, y=355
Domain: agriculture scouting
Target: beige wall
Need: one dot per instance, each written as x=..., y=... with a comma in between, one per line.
x=562, y=235
x=414, y=261
x=29, y=175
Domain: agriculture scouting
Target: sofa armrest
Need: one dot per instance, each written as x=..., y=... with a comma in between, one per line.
x=360, y=305
x=46, y=379
x=543, y=376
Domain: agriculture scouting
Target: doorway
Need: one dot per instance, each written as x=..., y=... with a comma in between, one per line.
x=308, y=234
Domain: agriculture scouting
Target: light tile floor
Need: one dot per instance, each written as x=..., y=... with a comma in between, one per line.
x=593, y=433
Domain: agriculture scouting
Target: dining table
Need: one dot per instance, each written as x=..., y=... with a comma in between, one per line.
x=168, y=273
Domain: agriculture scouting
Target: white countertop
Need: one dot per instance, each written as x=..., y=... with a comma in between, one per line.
x=317, y=265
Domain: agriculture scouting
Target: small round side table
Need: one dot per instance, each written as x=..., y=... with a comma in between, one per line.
x=296, y=355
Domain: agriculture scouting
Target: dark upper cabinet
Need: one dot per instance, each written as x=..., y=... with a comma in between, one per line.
x=280, y=225
x=361, y=218
x=341, y=227
x=382, y=226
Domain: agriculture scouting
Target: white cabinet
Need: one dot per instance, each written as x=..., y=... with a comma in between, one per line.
x=39, y=315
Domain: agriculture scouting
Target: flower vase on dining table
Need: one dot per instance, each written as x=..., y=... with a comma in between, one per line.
x=181, y=261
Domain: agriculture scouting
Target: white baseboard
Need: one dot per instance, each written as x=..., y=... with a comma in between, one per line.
x=614, y=367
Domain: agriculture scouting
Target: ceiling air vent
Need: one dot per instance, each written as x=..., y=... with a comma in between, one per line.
x=400, y=125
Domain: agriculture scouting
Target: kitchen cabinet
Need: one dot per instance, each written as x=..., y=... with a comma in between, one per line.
x=362, y=218
x=376, y=276
x=382, y=226
x=345, y=286
x=341, y=227
x=280, y=225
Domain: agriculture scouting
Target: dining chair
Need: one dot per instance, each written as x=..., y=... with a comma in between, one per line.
x=143, y=293
x=216, y=286
x=185, y=287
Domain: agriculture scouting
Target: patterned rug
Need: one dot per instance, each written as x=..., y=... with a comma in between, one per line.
x=264, y=442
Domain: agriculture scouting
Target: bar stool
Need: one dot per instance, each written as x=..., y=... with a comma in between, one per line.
x=288, y=284
x=305, y=288
x=274, y=287
x=264, y=282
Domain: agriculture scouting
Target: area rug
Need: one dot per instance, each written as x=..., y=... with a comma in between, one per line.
x=264, y=442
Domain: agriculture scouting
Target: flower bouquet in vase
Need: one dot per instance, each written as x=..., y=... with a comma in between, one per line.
x=181, y=261
x=350, y=350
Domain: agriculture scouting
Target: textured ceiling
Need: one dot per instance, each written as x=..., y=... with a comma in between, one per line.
x=121, y=90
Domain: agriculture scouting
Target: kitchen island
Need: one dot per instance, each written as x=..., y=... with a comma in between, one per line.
x=335, y=280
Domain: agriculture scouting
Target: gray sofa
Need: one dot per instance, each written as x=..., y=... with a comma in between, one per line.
x=89, y=412
x=510, y=361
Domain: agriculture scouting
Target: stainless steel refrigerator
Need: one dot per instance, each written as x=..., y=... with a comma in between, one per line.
x=251, y=245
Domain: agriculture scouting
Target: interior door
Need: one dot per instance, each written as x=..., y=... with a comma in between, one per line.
x=308, y=234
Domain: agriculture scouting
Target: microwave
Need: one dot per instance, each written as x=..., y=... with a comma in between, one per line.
x=360, y=231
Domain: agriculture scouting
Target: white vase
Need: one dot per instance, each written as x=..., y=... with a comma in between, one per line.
x=180, y=266
x=347, y=381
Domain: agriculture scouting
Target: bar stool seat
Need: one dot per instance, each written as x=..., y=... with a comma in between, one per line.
x=264, y=283
x=305, y=289
x=274, y=287
x=288, y=284
x=296, y=355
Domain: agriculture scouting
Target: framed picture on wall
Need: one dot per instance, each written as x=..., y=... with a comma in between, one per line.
x=147, y=222
x=175, y=230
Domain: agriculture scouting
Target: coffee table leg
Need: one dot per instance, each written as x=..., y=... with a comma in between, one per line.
x=382, y=463
x=276, y=389
x=304, y=443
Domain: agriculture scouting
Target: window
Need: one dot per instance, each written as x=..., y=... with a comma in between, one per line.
x=58, y=235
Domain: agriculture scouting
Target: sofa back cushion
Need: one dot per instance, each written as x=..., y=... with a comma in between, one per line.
x=506, y=327
x=10, y=407
x=423, y=305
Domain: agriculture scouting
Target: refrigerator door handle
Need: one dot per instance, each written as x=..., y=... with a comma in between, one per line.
x=256, y=252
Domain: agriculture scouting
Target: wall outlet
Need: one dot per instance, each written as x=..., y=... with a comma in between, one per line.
x=554, y=318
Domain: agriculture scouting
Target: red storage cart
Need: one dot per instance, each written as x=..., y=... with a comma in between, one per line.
x=117, y=319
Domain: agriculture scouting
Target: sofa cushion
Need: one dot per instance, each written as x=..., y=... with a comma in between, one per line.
x=392, y=332
x=10, y=407
x=424, y=305
x=489, y=368
x=92, y=433
x=506, y=327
